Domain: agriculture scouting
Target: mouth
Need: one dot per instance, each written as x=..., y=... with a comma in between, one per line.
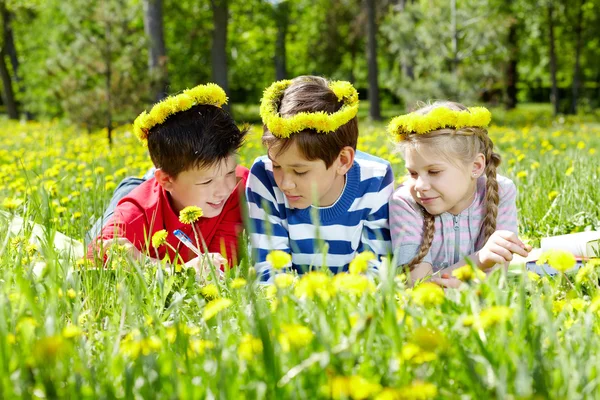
x=426, y=200
x=216, y=205
x=292, y=198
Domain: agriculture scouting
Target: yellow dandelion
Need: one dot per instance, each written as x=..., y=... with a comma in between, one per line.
x=71, y=331
x=210, y=291
x=295, y=335
x=159, y=238
x=215, y=307
x=350, y=387
x=249, y=347
x=190, y=214
x=560, y=260
x=283, y=281
x=552, y=195
x=238, y=283
x=416, y=391
x=494, y=315
x=467, y=273
x=314, y=283
x=279, y=259
x=428, y=294
x=11, y=204
x=522, y=174
x=352, y=284
x=360, y=263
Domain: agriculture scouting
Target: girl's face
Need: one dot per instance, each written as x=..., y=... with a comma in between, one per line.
x=440, y=185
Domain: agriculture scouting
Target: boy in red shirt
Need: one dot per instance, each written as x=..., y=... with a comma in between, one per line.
x=192, y=143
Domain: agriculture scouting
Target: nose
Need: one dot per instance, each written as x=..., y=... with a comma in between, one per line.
x=421, y=184
x=287, y=183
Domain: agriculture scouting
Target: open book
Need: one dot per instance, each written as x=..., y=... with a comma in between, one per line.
x=583, y=245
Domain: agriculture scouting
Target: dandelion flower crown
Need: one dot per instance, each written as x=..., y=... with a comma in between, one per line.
x=209, y=94
x=442, y=117
x=320, y=121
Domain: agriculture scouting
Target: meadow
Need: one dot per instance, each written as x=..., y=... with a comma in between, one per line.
x=68, y=329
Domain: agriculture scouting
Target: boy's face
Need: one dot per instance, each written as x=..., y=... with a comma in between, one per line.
x=305, y=182
x=207, y=188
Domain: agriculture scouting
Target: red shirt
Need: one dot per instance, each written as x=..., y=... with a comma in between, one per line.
x=147, y=209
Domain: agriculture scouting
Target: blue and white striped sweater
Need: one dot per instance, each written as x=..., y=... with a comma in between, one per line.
x=357, y=222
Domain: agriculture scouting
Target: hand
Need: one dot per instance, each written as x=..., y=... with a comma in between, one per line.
x=420, y=271
x=202, y=264
x=447, y=281
x=500, y=248
x=129, y=248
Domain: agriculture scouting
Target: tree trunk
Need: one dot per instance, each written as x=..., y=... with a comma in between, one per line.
x=7, y=89
x=11, y=50
x=454, y=37
x=374, y=109
x=219, y=45
x=554, y=94
x=281, y=18
x=108, y=81
x=157, y=55
x=578, y=45
x=511, y=68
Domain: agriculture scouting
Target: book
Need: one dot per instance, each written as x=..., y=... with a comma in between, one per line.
x=583, y=245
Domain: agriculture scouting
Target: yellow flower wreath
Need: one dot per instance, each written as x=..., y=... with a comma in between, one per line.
x=209, y=94
x=319, y=120
x=438, y=118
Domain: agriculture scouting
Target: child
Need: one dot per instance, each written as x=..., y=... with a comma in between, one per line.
x=192, y=143
x=313, y=185
x=453, y=204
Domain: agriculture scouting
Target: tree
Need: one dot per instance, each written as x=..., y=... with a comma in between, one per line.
x=7, y=86
x=281, y=11
x=219, y=44
x=95, y=67
x=453, y=50
x=157, y=54
x=552, y=54
x=578, y=47
x=374, y=109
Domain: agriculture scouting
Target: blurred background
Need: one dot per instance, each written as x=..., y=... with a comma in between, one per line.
x=97, y=64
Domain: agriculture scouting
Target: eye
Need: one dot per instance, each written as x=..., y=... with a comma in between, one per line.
x=412, y=174
x=231, y=173
x=203, y=183
x=434, y=172
x=300, y=173
x=276, y=166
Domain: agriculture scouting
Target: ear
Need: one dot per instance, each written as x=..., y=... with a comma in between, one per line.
x=165, y=180
x=478, y=166
x=345, y=160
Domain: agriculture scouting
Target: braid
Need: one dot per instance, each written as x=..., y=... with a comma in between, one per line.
x=492, y=198
x=428, y=231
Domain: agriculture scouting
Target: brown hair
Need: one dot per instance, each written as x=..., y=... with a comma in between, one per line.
x=458, y=145
x=196, y=138
x=310, y=94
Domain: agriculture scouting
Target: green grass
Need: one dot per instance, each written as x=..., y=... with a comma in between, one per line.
x=134, y=331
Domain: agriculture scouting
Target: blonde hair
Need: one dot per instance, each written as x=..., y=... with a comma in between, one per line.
x=457, y=145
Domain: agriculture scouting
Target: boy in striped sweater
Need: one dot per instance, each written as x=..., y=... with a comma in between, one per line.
x=314, y=195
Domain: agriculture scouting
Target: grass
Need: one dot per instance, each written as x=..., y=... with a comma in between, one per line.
x=135, y=331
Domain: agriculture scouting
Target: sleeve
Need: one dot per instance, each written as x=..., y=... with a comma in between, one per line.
x=268, y=228
x=507, y=207
x=406, y=227
x=129, y=222
x=376, y=228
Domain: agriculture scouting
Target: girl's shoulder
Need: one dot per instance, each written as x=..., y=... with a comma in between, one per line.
x=506, y=187
x=402, y=198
